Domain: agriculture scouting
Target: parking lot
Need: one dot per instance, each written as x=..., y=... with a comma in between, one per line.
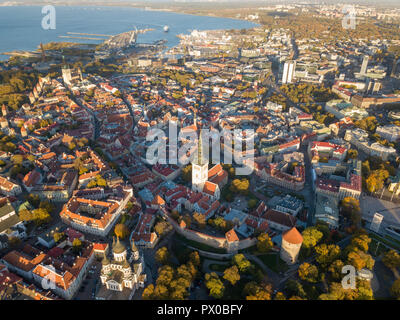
x=390, y=211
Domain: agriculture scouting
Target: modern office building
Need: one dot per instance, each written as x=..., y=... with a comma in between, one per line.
x=288, y=72
x=364, y=65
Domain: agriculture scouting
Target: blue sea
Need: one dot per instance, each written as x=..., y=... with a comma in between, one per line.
x=21, y=26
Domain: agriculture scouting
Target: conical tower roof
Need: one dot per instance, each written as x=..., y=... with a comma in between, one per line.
x=293, y=236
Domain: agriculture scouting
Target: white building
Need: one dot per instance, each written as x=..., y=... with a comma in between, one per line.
x=376, y=222
x=288, y=72
x=122, y=274
x=389, y=132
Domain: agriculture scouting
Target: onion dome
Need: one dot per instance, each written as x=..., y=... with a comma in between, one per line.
x=118, y=247
x=105, y=260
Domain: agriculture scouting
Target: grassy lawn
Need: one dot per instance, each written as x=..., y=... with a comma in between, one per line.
x=386, y=241
x=197, y=245
x=373, y=246
x=219, y=267
x=392, y=239
x=270, y=260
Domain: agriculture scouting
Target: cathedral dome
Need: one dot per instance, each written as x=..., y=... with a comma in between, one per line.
x=105, y=261
x=126, y=265
x=133, y=246
x=118, y=247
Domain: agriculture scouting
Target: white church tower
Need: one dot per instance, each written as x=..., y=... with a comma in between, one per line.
x=199, y=168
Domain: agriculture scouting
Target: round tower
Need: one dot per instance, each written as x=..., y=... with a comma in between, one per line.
x=291, y=244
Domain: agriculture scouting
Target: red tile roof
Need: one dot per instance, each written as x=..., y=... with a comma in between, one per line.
x=231, y=236
x=293, y=236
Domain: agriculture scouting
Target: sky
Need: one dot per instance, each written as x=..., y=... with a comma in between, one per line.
x=366, y=2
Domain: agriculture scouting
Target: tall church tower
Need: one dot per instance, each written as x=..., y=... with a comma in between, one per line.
x=199, y=168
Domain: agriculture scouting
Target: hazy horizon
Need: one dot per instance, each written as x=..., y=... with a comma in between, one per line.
x=252, y=2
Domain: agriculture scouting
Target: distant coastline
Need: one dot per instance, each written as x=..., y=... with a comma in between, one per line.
x=88, y=20
x=175, y=7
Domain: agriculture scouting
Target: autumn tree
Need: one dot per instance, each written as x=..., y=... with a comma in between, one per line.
x=76, y=245
x=360, y=260
x=308, y=272
x=57, y=236
x=295, y=288
x=232, y=275
x=148, y=292
x=161, y=227
x=41, y=216
x=360, y=242
x=121, y=230
x=311, y=236
x=25, y=215
x=214, y=285
x=391, y=259
x=162, y=255
x=199, y=219
x=240, y=186
x=352, y=154
x=326, y=254
x=242, y=263
x=376, y=180
x=161, y=292
x=194, y=258
x=335, y=269
x=279, y=296
x=395, y=290
x=254, y=291
x=264, y=243
x=350, y=208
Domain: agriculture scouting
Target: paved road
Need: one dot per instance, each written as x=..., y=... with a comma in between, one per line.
x=272, y=277
x=382, y=280
x=91, y=282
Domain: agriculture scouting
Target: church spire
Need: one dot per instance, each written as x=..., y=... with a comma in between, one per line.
x=200, y=150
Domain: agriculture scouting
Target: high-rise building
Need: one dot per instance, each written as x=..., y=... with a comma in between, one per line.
x=364, y=65
x=288, y=72
x=376, y=222
x=373, y=86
